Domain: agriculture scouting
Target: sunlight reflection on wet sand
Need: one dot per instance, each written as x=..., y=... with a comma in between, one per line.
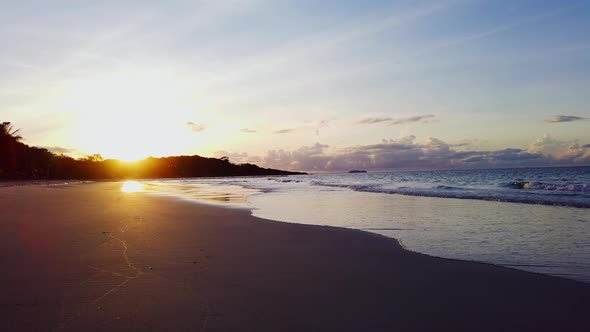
x=132, y=187
x=226, y=195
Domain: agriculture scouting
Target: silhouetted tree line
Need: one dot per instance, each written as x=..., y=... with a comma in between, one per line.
x=19, y=161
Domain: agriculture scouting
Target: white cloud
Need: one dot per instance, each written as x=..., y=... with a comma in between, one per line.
x=432, y=153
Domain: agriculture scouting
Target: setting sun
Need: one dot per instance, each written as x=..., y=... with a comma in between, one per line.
x=119, y=115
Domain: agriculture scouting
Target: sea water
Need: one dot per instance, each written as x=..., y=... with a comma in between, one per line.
x=534, y=219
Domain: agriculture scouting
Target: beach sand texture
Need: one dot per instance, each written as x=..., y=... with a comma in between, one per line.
x=91, y=258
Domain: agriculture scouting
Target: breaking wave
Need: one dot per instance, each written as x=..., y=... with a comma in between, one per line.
x=573, y=187
x=573, y=195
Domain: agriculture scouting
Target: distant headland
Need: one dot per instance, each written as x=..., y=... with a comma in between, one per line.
x=357, y=171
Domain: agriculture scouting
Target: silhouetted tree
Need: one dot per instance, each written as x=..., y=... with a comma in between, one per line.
x=7, y=131
x=9, y=140
x=20, y=161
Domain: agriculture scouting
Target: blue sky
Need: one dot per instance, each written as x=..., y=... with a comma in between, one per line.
x=300, y=84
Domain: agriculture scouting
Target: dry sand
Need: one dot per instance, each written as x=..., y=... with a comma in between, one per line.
x=90, y=258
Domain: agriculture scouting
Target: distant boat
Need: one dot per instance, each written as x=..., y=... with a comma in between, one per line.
x=357, y=171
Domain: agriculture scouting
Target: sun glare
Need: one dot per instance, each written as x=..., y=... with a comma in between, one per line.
x=130, y=116
x=132, y=187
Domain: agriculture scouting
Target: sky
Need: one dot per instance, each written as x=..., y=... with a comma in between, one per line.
x=320, y=86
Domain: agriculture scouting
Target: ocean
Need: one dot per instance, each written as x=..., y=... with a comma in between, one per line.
x=533, y=219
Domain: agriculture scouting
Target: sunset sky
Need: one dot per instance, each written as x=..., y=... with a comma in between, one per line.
x=303, y=85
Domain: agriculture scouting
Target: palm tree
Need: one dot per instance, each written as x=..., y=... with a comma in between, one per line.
x=8, y=132
x=9, y=141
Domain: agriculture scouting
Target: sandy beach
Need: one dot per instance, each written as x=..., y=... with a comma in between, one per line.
x=88, y=257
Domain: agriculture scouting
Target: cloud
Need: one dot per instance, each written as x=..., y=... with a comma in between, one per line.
x=561, y=152
x=196, y=127
x=406, y=140
x=412, y=119
x=285, y=131
x=550, y=146
x=58, y=149
x=431, y=153
x=246, y=130
x=564, y=118
x=391, y=121
x=311, y=158
x=374, y=120
x=308, y=125
x=238, y=158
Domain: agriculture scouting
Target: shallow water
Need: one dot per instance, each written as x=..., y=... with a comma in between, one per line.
x=548, y=235
x=544, y=239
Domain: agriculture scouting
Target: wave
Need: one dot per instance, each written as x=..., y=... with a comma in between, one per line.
x=450, y=188
x=579, y=201
x=573, y=187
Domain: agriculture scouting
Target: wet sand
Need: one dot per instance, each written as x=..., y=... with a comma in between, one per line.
x=91, y=258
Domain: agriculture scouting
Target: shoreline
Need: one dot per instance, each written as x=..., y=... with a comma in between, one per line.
x=204, y=197
x=504, y=234
x=400, y=246
x=398, y=242
x=90, y=257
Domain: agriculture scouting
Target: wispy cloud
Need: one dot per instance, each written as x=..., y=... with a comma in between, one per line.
x=374, y=120
x=307, y=126
x=196, y=127
x=474, y=36
x=285, y=131
x=297, y=56
x=247, y=130
x=412, y=119
x=564, y=118
x=391, y=121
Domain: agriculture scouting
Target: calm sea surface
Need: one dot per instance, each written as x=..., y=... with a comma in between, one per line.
x=534, y=219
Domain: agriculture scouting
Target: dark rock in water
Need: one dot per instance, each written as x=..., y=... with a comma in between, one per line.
x=357, y=171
